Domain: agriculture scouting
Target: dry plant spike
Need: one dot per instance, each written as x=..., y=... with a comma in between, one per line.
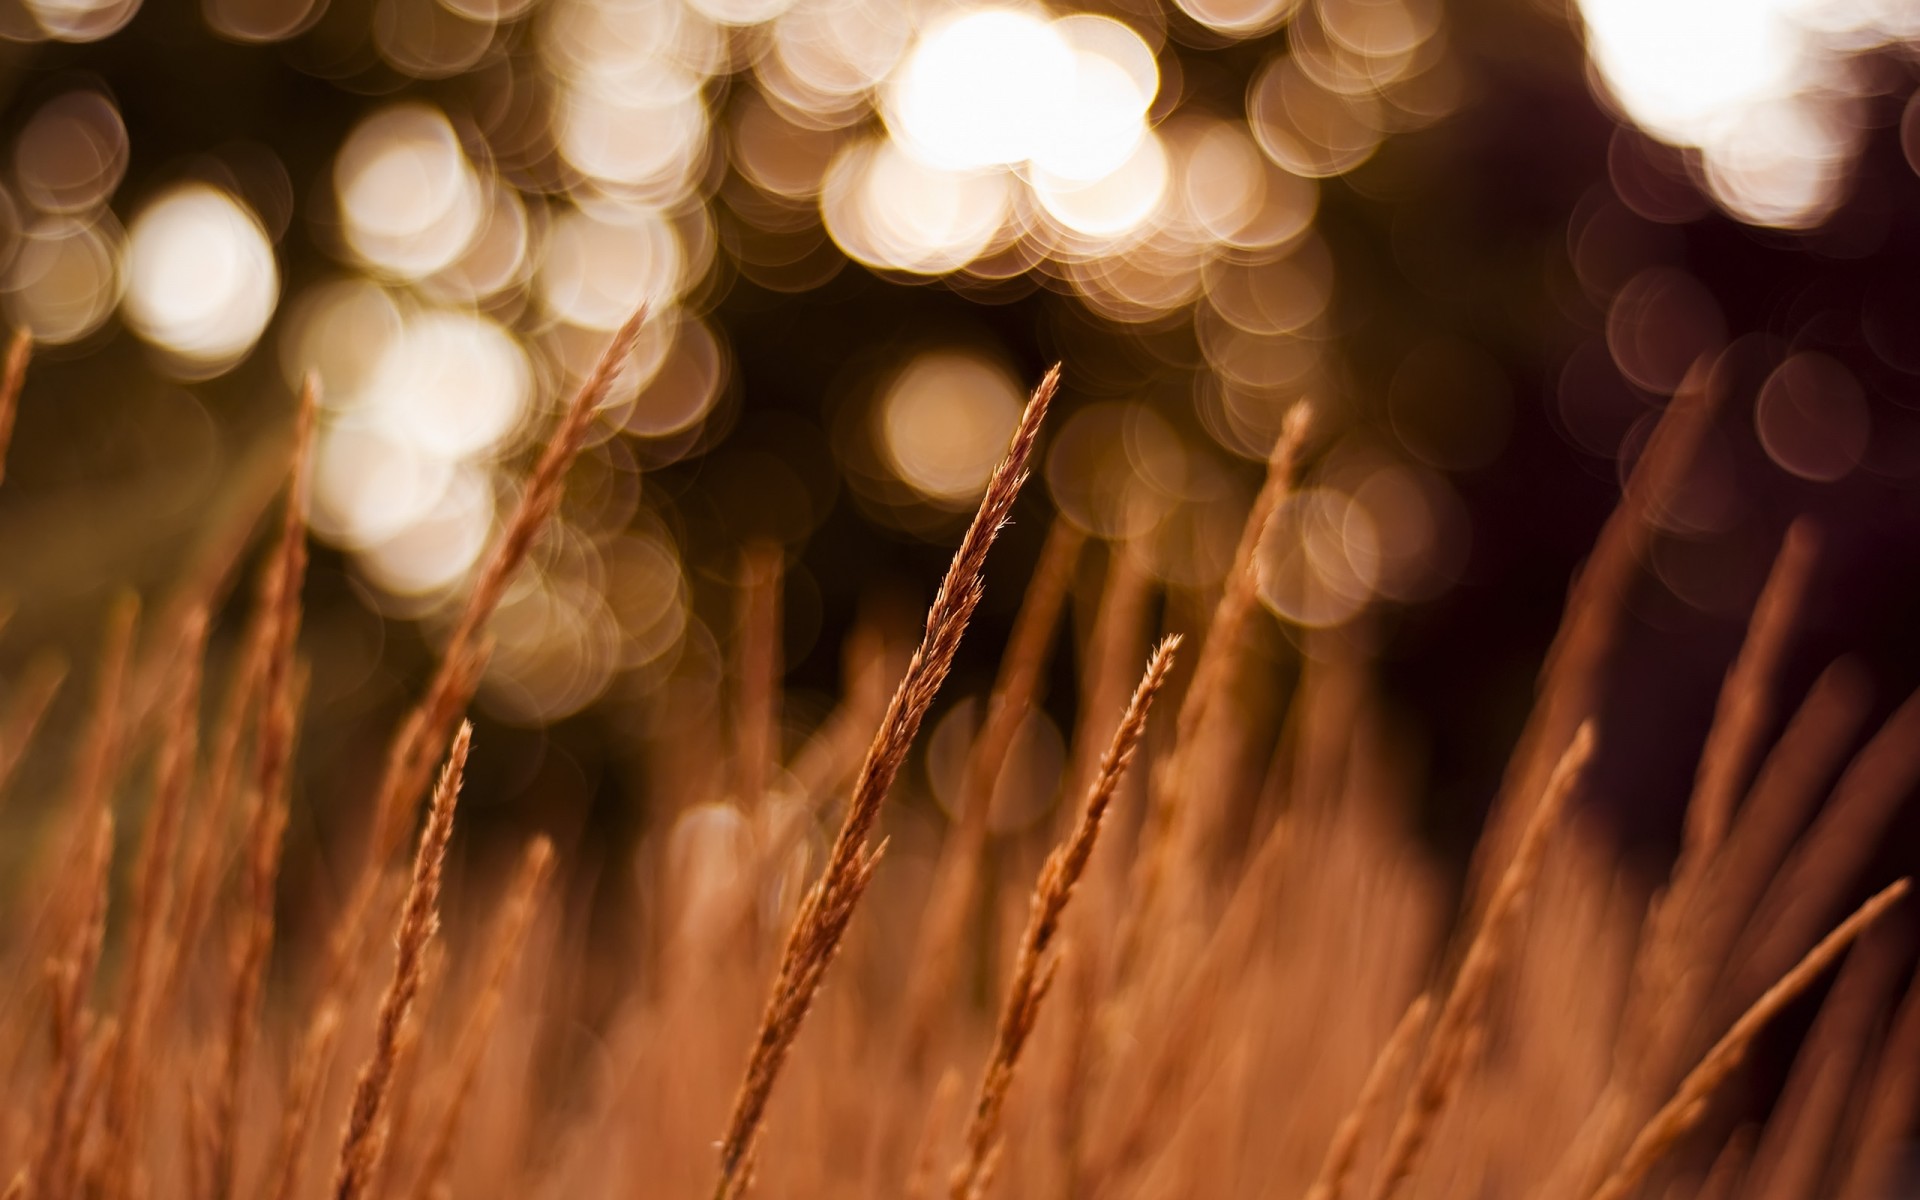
x=1886, y=1118
x=1746, y=700
x=29, y=704
x=516, y=917
x=1688, y=1105
x=828, y=905
x=1343, y=1152
x=423, y=735
x=943, y=924
x=1454, y=1029
x=1809, y=1116
x=154, y=885
x=267, y=818
x=1590, y=622
x=1829, y=856
x=12, y=377
x=362, y=1141
x=1033, y=971
x=1179, y=825
x=71, y=977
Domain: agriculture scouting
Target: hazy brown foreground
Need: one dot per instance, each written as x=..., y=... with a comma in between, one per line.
x=1229, y=976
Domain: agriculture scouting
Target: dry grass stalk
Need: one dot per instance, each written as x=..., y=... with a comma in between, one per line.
x=950, y=904
x=28, y=705
x=1807, y=1120
x=61, y=1124
x=1746, y=702
x=363, y=1140
x=1590, y=624
x=1869, y=1167
x=1033, y=971
x=1443, y=1066
x=423, y=734
x=1343, y=1152
x=510, y=935
x=828, y=905
x=1827, y=859
x=1679, y=952
x=12, y=377
x=1181, y=827
x=154, y=887
x=267, y=819
x=1688, y=1105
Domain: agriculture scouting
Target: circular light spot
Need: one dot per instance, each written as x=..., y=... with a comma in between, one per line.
x=887, y=209
x=369, y=485
x=1812, y=418
x=1307, y=129
x=1114, y=205
x=1239, y=18
x=340, y=329
x=978, y=89
x=82, y=20
x=1318, y=559
x=1109, y=468
x=944, y=422
x=1660, y=323
x=434, y=551
x=260, y=20
x=66, y=278
x=682, y=390
x=408, y=196
x=201, y=279
x=740, y=12
x=598, y=120
x=428, y=40
x=72, y=153
x=452, y=383
x=603, y=264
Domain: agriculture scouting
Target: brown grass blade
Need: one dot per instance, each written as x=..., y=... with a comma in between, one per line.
x=1343, y=1152
x=1688, y=1105
x=950, y=905
x=1460, y=1015
x=71, y=977
x=1181, y=825
x=1033, y=971
x=510, y=935
x=1891, y=1100
x=27, y=706
x=154, y=886
x=12, y=377
x=363, y=1140
x=266, y=822
x=824, y=913
x=422, y=736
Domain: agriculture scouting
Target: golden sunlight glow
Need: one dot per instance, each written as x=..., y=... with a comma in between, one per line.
x=1752, y=85
x=410, y=201
x=453, y=384
x=201, y=278
x=65, y=278
x=944, y=422
x=601, y=264
x=1319, y=559
x=81, y=20
x=888, y=209
x=72, y=153
x=982, y=89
